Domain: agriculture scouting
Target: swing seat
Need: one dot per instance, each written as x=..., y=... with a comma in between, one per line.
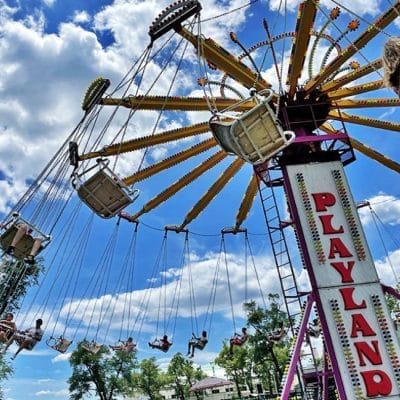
x=254, y=136
x=24, y=246
x=91, y=347
x=61, y=344
x=104, y=192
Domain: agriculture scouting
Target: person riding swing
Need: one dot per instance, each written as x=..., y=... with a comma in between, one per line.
x=197, y=343
x=162, y=344
x=127, y=347
x=26, y=339
x=7, y=328
x=238, y=339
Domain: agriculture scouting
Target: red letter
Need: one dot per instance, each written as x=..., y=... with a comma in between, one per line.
x=337, y=246
x=349, y=303
x=364, y=349
x=323, y=200
x=345, y=272
x=381, y=388
x=326, y=221
x=360, y=324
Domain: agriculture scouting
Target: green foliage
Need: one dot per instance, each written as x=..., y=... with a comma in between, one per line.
x=269, y=357
x=237, y=364
x=182, y=375
x=5, y=372
x=260, y=356
x=392, y=302
x=107, y=375
x=16, y=278
x=149, y=379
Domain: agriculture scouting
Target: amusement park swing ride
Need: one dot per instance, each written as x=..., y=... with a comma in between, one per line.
x=293, y=139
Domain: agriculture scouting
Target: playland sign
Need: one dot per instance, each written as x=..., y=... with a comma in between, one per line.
x=358, y=330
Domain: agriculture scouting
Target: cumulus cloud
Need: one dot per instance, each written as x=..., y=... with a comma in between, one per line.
x=61, y=358
x=49, y=3
x=50, y=393
x=81, y=17
x=388, y=268
x=178, y=292
x=358, y=7
x=386, y=207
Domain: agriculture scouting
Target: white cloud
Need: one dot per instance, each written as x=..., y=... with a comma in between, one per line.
x=358, y=7
x=388, y=268
x=51, y=393
x=81, y=17
x=49, y=3
x=61, y=358
x=386, y=207
x=110, y=309
x=40, y=381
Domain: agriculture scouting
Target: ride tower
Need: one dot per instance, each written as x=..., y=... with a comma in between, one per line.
x=359, y=336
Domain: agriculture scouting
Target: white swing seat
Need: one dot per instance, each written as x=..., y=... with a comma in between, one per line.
x=104, y=192
x=61, y=344
x=91, y=347
x=254, y=136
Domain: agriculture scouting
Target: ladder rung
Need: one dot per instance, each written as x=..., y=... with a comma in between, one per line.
x=275, y=229
x=284, y=264
x=287, y=276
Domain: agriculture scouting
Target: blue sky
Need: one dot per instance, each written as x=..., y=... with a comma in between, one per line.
x=50, y=51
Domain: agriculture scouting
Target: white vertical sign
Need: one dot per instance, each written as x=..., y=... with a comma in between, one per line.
x=346, y=283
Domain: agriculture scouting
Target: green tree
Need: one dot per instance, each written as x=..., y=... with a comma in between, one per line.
x=237, y=365
x=269, y=356
x=5, y=371
x=149, y=379
x=16, y=277
x=183, y=375
x=107, y=375
x=393, y=302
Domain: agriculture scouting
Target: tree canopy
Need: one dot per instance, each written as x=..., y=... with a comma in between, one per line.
x=105, y=374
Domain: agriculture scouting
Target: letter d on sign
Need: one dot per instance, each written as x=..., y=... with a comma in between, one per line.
x=383, y=387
